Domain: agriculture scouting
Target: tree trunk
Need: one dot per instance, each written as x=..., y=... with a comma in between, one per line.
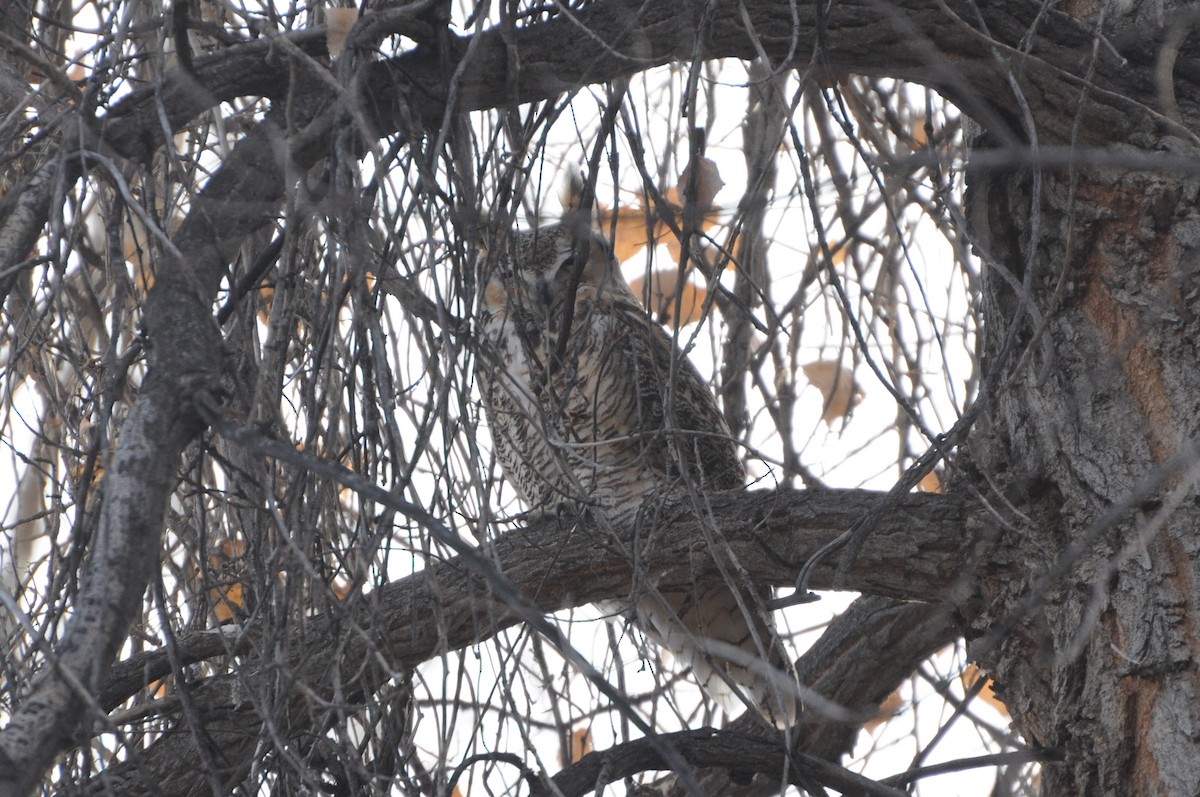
x=1091, y=591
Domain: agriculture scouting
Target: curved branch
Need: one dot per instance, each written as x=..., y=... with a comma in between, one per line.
x=937, y=44
x=185, y=354
x=711, y=748
x=920, y=552
x=864, y=655
x=925, y=41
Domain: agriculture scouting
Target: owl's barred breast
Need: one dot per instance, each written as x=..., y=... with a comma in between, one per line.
x=624, y=415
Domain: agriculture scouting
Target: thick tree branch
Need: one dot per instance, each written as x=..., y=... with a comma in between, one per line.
x=710, y=748
x=863, y=656
x=936, y=44
x=921, y=552
x=544, y=562
x=185, y=353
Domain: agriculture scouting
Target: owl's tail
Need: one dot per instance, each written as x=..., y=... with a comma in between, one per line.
x=728, y=638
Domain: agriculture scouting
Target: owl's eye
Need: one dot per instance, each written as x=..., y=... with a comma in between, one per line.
x=564, y=274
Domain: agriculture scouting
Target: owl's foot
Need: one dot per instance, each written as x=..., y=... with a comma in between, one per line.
x=560, y=513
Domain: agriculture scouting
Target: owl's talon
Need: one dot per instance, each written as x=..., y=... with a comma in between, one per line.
x=548, y=514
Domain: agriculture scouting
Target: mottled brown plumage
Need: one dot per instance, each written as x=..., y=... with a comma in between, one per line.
x=614, y=415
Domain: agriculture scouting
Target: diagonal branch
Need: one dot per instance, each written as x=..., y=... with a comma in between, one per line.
x=920, y=552
x=560, y=565
x=185, y=353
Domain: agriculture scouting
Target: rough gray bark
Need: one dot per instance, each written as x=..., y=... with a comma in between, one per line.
x=768, y=531
x=185, y=355
x=1094, y=583
x=1094, y=440
x=1093, y=436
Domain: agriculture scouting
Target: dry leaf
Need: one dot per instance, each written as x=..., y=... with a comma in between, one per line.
x=917, y=137
x=80, y=466
x=838, y=256
x=660, y=297
x=930, y=483
x=634, y=227
x=970, y=675
x=580, y=744
x=631, y=231
x=228, y=595
x=708, y=183
x=265, y=295
x=837, y=387
x=338, y=23
x=889, y=708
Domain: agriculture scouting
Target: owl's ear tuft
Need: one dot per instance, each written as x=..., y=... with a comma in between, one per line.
x=487, y=236
x=577, y=207
x=572, y=194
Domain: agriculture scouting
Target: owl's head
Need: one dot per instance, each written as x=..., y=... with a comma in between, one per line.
x=536, y=269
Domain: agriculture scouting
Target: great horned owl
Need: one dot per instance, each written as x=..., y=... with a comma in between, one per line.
x=607, y=418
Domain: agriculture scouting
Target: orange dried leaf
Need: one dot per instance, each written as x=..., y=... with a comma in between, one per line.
x=227, y=550
x=930, y=483
x=581, y=744
x=970, y=675
x=837, y=387
x=917, y=136
x=634, y=227
x=77, y=471
x=338, y=22
x=631, y=232
x=659, y=296
x=889, y=708
x=228, y=596
x=838, y=257
x=228, y=601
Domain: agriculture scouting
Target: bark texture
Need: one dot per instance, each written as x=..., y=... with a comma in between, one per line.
x=1093, y=439
x=768, y=532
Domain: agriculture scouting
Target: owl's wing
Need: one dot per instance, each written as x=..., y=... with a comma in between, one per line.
x=657, y=399
x=648, y=393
